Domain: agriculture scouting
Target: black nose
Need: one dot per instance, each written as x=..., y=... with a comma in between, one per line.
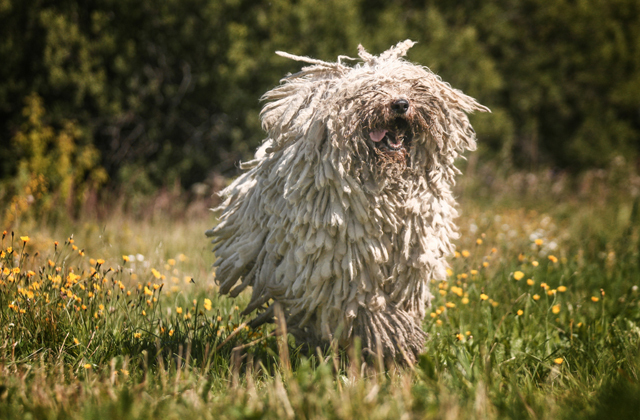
x=400, y=106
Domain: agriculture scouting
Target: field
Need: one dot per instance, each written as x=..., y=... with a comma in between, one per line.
x=118, y=317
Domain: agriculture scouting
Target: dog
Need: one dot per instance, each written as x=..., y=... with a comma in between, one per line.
x=346, y=212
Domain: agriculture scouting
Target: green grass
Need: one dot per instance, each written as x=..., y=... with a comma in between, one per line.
x=520, y=330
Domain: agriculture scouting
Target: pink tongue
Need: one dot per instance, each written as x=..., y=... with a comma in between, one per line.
x=378, y=135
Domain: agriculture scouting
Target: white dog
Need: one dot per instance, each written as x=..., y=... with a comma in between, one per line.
x=346, y=212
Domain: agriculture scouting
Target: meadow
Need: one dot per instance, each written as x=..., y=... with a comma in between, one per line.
x=118, y=317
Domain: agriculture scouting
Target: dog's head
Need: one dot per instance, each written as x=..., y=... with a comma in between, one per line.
x=384, y=113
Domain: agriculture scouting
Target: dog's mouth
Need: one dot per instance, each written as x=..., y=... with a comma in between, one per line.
x=395, y=138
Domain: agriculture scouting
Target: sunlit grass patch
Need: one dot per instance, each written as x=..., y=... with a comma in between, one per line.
x=535, y=316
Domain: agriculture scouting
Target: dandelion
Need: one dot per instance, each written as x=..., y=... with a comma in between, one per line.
x=484, y=297
x=530, y=282
x=555, y=309
x=553, y=259
x=535, y=263
x=171, y=262
x=536, y=297
x=450, y=305
x=518, y=275
x=438, y=322
x=155, y=273
x=494, y=304
x=602, y=292
x=459, y=337
x=539, y=242
x=521, y=257
x=433, y=314
x=545, y=286
x=479, y=241
x=147, y=291
x=449, y=272
x=465, y=253
x=125, y=258
x=24, y=239
x=442, y=292
x=474, y=272
x=558, y=361
x=595, y=298
x=520, y=312
x=485, y=264
x=170, y=333
x=562, y=289
x=207, y=304
x=465, y=300
x=100, y=261
x=179, y=310
x=87, y=366
x=456, y=254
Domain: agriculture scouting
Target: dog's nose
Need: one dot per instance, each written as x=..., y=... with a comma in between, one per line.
x=400, y=106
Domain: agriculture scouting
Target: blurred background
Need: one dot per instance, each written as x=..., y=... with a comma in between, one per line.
x=131, y=102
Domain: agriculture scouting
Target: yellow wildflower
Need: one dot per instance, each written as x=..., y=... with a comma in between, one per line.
x=518, y=275
x=535, y=263
x=553, y=259
x=520, y=312
x=555, y=309
x=539, y=242
x=24, y=239
x=479, y=241
x=484, y=297
x=178, y=310
x=562, y=289
x=465, y=253
x=76, y=341
x=155, y=273
x=465, y=300
x=558, y=361
x=87, y=366
x=450, y=305
x=595, y=298
x=125, y=258
x=536, y=297
x=207, y=304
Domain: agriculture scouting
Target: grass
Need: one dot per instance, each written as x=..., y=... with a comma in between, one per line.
x=539, y=318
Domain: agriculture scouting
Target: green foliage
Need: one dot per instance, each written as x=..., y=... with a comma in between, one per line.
x=54, y=168
x=172, y=88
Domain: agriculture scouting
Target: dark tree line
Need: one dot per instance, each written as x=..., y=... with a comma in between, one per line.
x=164, y=91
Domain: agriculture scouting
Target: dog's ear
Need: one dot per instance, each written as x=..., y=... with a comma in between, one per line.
x=294, y=111
x=457, y=130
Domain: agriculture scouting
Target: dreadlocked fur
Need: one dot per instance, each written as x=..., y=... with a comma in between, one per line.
x=346, y=212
